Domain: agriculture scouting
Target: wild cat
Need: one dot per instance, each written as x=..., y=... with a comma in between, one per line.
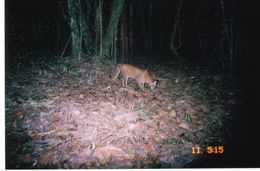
x=139, y=75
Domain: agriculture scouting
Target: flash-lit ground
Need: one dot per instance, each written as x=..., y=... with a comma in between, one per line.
x=72, y=115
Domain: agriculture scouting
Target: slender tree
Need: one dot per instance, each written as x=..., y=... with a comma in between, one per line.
x=227, y=47
x=131, y=31
x=124, y=35
x=111, y=31
x=82, y=34
x=74, y=8
x=86, y=29
x=176, y=35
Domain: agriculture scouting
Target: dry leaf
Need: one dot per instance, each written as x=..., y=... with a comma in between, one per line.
x=16, y=113
x=48, y=103
x=15, y=124
x=105, y=154
x=173, y=113
x=108, y=88
x=162, y=112
x=81, y=96
x=183, y=125
x=45, y=158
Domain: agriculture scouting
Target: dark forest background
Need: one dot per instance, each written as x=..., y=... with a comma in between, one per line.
x=205, y=29
x=206, y=35
x=218, y=36
x=208, y=30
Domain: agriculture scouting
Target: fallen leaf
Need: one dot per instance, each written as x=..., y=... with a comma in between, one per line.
x=81, y=96
x=16, y=113
x=45, y=158
x=108, y=88
x=173, y=113
x=105, y=154
x=76, y=112
x=48, y=103
x=183, y=125
x=162, y=112
x=15, y=124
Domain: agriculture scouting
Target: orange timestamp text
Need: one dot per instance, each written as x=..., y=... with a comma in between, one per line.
x=208, y=150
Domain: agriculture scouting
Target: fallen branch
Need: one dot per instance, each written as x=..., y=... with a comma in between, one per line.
x=46, y=133
x=105, y=137
x=64, y=141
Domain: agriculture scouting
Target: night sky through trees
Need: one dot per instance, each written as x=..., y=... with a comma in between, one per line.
x=218, y=53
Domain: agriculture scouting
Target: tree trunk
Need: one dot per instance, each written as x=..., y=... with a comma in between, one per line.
x=227, y=41
x=86, y=31
x=73, y=7
x=131, y=31
x=97, y=27
x=176, y=35
x=100, y=27
x=112, y=28
x=124, y=36
x=149, y=30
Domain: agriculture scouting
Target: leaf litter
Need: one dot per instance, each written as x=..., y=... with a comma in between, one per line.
x=80, y=118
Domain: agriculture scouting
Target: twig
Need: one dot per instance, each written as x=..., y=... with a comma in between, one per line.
x=45, y=133
x=105, y=137
x=64, y=141
x=65, y=47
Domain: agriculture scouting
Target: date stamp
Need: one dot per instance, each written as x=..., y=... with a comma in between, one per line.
x=208, y=149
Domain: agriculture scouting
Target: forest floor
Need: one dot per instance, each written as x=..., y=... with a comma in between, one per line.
x=72, y=115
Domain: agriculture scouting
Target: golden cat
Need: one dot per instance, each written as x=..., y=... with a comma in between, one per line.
x=130, y=71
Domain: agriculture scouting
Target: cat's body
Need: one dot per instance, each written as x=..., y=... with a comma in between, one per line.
x=139, y=75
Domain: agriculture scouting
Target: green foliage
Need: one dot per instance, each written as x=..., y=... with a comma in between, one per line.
x=142, y=106
x=172, y=141
x=132, y=152
x=8, y=101
x=185, y=137
x=144, y=109
x=29, y=145
x=177, y=141
x=187, y=118
x=124, y=93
